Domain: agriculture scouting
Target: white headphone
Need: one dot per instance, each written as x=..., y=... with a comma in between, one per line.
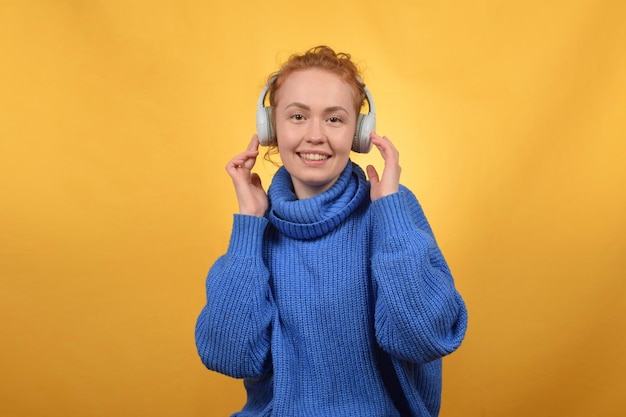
x=366, y=123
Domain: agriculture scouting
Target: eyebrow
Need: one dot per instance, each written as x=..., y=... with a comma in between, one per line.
x=326, y=110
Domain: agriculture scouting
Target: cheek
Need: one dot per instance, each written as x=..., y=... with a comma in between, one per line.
x=346, y=140
x=282, y=132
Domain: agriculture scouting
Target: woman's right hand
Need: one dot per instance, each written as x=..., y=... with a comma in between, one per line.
x=250, y=194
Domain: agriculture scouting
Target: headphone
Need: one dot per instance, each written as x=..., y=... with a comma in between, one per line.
x=361, y=143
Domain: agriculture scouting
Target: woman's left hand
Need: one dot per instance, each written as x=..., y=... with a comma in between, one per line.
x=390, y=181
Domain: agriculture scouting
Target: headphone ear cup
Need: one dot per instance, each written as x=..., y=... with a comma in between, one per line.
x=264, y=128
x=365, y=125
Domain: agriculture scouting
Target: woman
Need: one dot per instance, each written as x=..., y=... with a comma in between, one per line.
x=333, y=298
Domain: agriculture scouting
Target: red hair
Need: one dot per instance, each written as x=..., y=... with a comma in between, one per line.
x=320, y=57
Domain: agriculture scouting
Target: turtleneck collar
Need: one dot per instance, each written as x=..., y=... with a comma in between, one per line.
x=314, y=217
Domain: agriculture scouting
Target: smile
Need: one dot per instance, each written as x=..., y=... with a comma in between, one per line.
x=313, y=156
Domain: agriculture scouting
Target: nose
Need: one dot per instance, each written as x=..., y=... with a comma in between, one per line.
x=316, y=131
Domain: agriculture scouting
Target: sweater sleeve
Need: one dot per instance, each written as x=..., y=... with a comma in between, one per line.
x=233, y=329
x=419, y=315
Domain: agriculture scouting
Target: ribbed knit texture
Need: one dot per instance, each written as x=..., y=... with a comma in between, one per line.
x=333, y=306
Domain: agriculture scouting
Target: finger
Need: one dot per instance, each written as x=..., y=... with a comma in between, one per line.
x=382, y=142
x=252, y=152
x=243, y=159
x=377, y=140
x=254, y=143
x=387, y=150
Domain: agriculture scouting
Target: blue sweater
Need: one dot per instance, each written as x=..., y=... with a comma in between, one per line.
x=333, y=306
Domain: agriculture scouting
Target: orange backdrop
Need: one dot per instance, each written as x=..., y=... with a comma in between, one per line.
x=117, y=118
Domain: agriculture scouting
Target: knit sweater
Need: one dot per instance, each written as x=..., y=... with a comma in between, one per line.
x=333, y=305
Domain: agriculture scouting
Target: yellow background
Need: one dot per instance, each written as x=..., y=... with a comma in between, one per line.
x=117, y=118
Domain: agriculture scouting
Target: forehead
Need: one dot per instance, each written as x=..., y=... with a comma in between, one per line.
x=316, y=86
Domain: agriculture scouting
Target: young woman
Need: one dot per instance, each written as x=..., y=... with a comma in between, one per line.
x=333, y=298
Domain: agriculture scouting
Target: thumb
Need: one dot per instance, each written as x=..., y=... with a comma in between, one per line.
x=372, y=175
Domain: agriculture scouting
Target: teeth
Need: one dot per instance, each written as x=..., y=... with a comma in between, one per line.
x=313, y=156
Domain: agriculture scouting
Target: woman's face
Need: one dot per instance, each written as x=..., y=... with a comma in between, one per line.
x=315, y=120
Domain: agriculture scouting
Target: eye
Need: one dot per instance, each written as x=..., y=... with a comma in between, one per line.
x=297, y=117
x=334, y=119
